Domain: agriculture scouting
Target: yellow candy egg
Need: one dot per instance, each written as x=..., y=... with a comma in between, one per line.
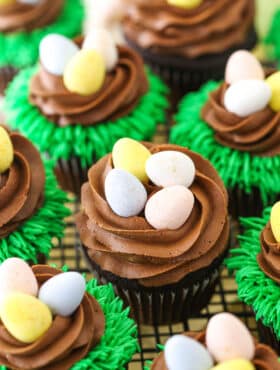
x=85, y=72
x=25, y=317
x=187, y=4
x=238, y=364
x=275, y=221
x=6, y=150
x=7, y=2
x=131, y=156
x=273, y=82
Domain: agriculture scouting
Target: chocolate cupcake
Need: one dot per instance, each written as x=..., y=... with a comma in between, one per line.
x=189, y=44
x=77, y=126
x=163, y=262
x=61, y=322
x=32, y=209
x=208, y=349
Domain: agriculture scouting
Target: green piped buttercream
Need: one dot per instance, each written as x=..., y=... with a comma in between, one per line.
x=236, y=168
x=86, y=142
x=35, y=235
x=254, y=287
x=273, y=36
x=20, y=49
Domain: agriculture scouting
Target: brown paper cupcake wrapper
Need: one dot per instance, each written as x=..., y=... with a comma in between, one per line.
x=268, y=336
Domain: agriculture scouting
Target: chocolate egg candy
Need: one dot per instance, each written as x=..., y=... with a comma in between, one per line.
x=6, y=150
x=63, y=293
x=238, y=364
x=187, y=4
x=55, y=53
x=131, y=156
x=184, y=353
x=243, y=65
x=227, y=338
x=85, y=72
x=275, y=221
x=247, y=97
x=125, y=194
x=101, y=40
x=273, y=82
x=25, y=317
x=169, y=168
x=169, y=208
x=17, y=276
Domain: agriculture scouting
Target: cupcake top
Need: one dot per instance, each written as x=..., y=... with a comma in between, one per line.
x=24, y=15
x=87, y=81
x=225, y=344
x=189, y=28
x=244, y=110
x=22, y=181
x=148, y=213
x=47, y=318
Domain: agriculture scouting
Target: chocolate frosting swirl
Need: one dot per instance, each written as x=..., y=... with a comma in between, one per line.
x=21, y=186
x=27, y=17
x=212, y=27
x=265, y=358
x=121, y=92
x=68, y=340
x=259, y=133
x=269, y=257
x=131, y=248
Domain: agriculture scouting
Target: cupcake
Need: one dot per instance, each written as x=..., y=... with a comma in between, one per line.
x=225, y=344
x=188, y=42
x=154, y=223
x=51, y=319
x=32, y=207
x=235, y=124
x=79, y=101
x=256, y=263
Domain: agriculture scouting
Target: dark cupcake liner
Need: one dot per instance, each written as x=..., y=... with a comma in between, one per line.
x=6, y=75
x=168, y=304
x=268, y=336
x=185, y=75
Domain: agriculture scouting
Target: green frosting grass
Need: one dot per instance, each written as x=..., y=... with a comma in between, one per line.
x=85, y=142
x=236, y=168
x=20, y=49
x=119, y=341
x=254, y=287
x=273, y=36
x=35, y=235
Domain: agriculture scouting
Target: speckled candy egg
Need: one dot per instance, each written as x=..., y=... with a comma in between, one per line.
x=6, y=150
x=184, y=353
x=227, y=338
x=237, y=364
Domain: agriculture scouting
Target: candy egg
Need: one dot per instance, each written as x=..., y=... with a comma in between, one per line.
x=131, y=156
x=184, y=353
x=55, y=53
x=125, y=194
x=227, y=338
x=85, y=72
x=238, y=364
x=275, y=221
x=104, y=13
x=101, y=40
x=30, y=2
x=242, y=65
x=273, y=82
x=247, y=97
x=25, y=317
x=170, y=168
x=6, y=150
x=188, y=4
x=7, y=2
x=17, y=276
x=169, y=208
x=63, y=293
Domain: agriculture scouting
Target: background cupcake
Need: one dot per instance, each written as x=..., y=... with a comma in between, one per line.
x=32, y=207
x=54, y=319
x=188, y=42
x=256, y=263
x=235, y=124
x=164, y=260
x=80, y=101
